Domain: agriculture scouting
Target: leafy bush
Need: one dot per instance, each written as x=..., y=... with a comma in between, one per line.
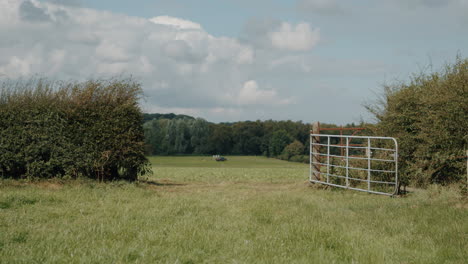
x=65, y=129
x=293, y=149
x=429, y=117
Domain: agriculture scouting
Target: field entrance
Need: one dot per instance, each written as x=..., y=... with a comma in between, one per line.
x=245, y=210
x=361, y=163
x=237, y=170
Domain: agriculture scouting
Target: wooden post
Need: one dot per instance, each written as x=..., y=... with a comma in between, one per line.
x=316, y=149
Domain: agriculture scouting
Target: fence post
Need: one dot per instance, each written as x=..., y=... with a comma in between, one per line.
x=315, y=149
x=347, y=162
x=368, y=163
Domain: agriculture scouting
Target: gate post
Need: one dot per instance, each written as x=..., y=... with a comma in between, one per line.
x=315, y=149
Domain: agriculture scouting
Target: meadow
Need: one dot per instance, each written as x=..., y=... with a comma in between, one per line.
x=244, y=210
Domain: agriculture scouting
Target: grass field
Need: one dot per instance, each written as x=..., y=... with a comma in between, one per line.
x=244, y=210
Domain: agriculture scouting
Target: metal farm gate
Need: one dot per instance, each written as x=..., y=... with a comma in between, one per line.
x=361, y=163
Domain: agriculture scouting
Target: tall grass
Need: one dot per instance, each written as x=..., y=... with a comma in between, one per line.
x=232, y=212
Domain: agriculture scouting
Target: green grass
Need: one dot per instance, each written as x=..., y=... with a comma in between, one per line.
x=245, y=210
x=232, y=162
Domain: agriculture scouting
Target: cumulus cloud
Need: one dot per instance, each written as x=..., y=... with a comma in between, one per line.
x=252, y=94
x=175, y=22
x=300, y=37
x=28, y=11
x=274, y=34
x=182, y=67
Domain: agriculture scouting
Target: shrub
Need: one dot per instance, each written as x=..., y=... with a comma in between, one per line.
x=293, y=149
x=428, y=116
x=57, y=129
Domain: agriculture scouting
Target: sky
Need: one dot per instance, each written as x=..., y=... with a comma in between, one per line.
x=235, y=60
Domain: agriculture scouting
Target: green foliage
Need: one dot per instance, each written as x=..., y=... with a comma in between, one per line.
x=63, y=129
x=294, y=152
x=187, y=136
x=278, y=141
x=177, y=136
x=429, y=117
x=294, y=149
x=220, y=140
x=247, y=137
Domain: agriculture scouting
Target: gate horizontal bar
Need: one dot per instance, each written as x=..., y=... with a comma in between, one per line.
x=352, y=188
x=349, y=136
x=353, y=168
x=355, y=146
x=350, y=157
x=344, y=177
x=340, y=128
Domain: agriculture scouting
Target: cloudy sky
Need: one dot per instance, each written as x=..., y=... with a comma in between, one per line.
x=230, y=60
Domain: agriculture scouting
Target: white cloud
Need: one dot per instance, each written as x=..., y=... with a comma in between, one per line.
x=251, y=94
x=17, y=67
x=182, y=67
x=273, y=35
x=9, y=12
x=245, y=56
x=175, y=22
x=112, y=52
x=299, y=38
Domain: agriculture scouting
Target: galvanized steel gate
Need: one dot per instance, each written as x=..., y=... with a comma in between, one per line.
x=361, y=163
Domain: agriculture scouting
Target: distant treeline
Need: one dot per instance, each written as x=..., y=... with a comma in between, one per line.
x=149, y=117
x=178, y=136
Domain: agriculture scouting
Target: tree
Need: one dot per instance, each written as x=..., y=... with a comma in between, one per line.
x=278, y=141
x=294, y=149
x=247, y=137
x=221, y=139
x=182, y=136
x=155, y=135
x=200, y=133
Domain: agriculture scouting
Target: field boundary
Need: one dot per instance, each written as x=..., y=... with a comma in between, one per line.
x=369, y=164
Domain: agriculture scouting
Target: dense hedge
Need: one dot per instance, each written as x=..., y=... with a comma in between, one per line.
x=64, y=129
x=429, y=117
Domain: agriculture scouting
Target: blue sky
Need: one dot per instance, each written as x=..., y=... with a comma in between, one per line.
x=237, y=60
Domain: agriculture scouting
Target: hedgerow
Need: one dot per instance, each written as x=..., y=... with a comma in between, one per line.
x=71, y=129
x=429, y=117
